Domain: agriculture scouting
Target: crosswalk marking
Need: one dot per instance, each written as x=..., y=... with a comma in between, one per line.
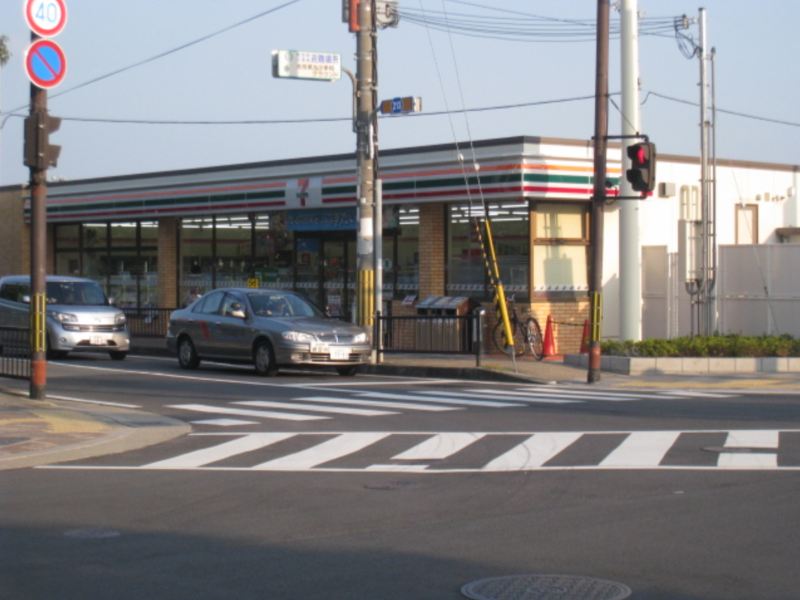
x=642, y=449
x=544, y=399
x=362, y=412
x=558, y=392
x=697, y=394
x=224, y=422
x=240, y=445
x=533, y=452
x=439, y=446
x=439, y=452
x=245, y=412
x=342, y=445
x=445, y=399
x=750, y=439
x=398, y=405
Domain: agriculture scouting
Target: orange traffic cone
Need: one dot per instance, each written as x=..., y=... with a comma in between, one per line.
x=549, y=345
x=585, y=338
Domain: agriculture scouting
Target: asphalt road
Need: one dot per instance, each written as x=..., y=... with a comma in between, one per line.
x=311, y=485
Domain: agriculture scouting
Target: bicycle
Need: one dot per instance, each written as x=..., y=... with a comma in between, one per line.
x=527, y=333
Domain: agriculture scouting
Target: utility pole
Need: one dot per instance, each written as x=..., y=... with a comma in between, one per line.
x=366, y=156
x=630, y=280
x=708, y=247
x=599, y=195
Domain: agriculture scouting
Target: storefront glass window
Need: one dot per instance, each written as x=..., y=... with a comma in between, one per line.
x=233, y=251
x=67, y=255
x=466, y=272
x=407, y=262
x=274, y=249
x=197, y=253
x=560, y=248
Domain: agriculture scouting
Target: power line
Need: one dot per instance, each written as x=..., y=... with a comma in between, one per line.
x=722, y=110
x=161, y=55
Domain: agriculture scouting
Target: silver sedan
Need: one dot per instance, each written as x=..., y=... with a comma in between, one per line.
x=269, y=328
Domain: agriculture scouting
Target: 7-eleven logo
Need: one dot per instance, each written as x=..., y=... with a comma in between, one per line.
x=302, y=189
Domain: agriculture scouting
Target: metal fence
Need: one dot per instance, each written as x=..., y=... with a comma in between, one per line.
x=15, y=352
x=440, y=334
x=148, y=322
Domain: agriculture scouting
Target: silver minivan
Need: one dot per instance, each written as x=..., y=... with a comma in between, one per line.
x=79, y=316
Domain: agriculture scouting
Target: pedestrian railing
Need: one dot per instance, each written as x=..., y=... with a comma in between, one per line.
x=433, y=334
x=148, y=322
x=15, y=352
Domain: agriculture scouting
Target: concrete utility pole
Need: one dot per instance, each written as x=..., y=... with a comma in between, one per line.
x=599, y=195
x=630, y=280
x=366, y=154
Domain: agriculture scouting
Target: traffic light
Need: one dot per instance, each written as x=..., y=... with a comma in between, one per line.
x=642, y=174
x=39, y=153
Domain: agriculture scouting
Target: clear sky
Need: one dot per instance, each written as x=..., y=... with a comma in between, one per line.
x=228, y=78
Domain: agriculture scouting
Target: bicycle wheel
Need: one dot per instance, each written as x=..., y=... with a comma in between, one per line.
x=500, y=339
x=533, y=338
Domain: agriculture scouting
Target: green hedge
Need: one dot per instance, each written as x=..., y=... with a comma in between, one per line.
x=716, y=345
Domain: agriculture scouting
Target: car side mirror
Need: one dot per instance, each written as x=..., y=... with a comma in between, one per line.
x=112, y=301
x=26, y=299
x=328, y=312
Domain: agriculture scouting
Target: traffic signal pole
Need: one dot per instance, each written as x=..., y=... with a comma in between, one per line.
x=599, y=195
x=38, y=189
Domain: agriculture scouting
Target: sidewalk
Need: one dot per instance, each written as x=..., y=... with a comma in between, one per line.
x=36, y=432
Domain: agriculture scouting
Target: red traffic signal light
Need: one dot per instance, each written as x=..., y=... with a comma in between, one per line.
x=642, y=174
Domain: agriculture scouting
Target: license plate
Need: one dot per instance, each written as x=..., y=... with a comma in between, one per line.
x=340, y=353
x=97, y=340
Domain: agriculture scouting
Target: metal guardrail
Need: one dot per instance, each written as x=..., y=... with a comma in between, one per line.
x=15, y=352
x=148, y=322
x=433, y=334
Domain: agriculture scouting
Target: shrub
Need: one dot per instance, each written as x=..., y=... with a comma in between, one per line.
x=704, y=346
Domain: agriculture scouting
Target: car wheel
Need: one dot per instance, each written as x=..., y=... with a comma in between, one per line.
x=187, y=355
x=346, y=371
x=264, y=359
x=117, y=355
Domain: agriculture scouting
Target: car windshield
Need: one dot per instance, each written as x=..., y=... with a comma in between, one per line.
x=75, y=293
x=277, y=304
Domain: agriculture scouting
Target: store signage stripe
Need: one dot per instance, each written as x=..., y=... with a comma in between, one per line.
x=88, y=198
x=419, y=194
x=165, y=211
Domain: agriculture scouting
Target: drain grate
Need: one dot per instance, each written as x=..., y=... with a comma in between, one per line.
x=545, y=587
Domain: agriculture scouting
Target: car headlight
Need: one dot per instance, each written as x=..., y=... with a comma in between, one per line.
x=360, y=338
x=120, y=319
x=298, y=336
x=64, y=317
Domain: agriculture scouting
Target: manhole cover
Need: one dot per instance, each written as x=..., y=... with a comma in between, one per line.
x=545, y=587
x=92, y=533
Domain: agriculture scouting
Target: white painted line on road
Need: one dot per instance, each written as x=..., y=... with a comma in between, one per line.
x=224, y=410
x=363, y=412
x=341, y=445
x=533, y=452
x=100, y=402
x=750, y=439
x=497, y=397
x=642, y=449
x=611, y=395
x=397, y=405
x=351, y=383
x=240, y=445
x=697, y=394
x=439, y=446
x=224, y=422
x=440, y=400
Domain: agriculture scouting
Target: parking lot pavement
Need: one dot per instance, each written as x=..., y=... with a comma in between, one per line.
x=35, y=432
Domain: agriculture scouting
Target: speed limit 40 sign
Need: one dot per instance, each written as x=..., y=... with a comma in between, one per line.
x=46, y=18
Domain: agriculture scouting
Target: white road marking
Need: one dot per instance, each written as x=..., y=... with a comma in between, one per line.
x=341, y=445
x=363, y=412
x=642, y=449
x=398, y=405
x=697, y=394
x=533, y=452
x=224, y=422
x=400, y=381
x=240, y=445
x=224, y=410
x=439, y=446
x=750, y=439
x=440, y=400
x=543, y=400
x=85, y=401
x=556, y=392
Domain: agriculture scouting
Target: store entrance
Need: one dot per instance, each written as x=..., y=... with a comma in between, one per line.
x=325, y=270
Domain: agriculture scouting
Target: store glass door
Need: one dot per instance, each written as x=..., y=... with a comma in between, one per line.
x=338, y=275
x=307, y=268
